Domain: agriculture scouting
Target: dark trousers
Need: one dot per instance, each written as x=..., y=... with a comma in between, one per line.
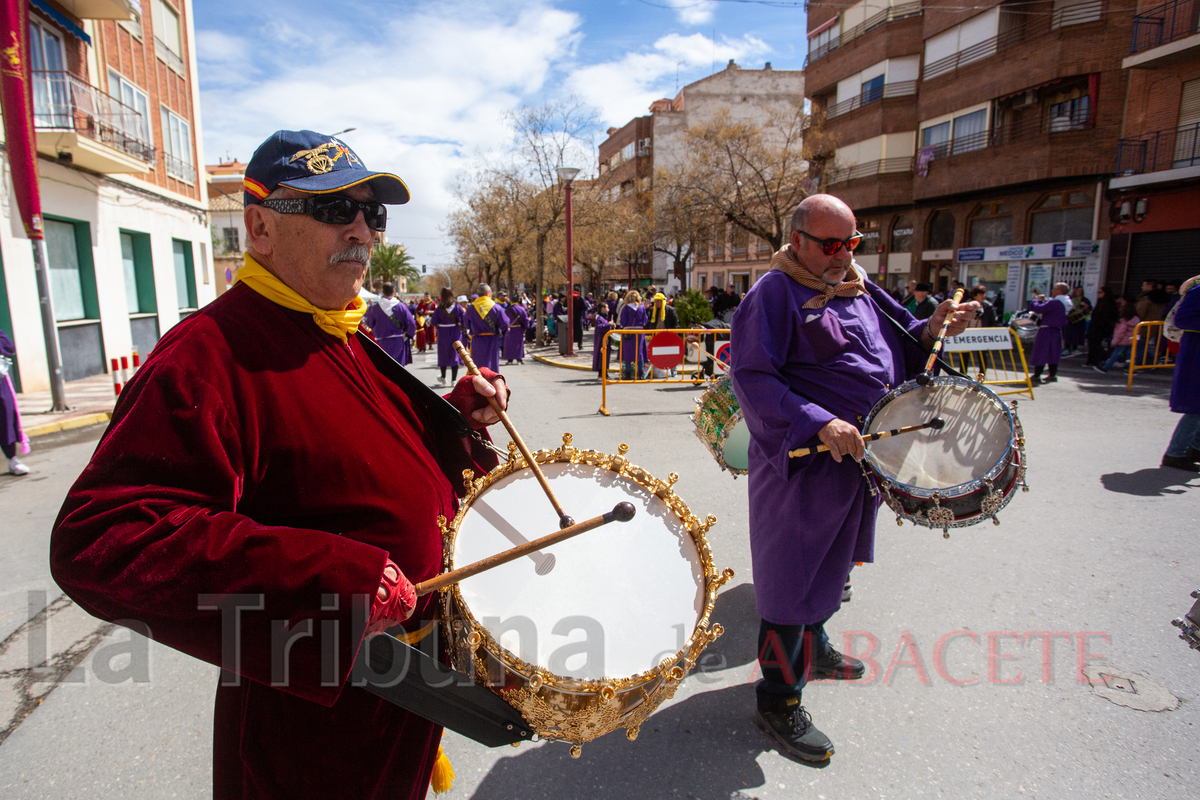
x=1037, y=371
x=10, y=450
x=785, y=654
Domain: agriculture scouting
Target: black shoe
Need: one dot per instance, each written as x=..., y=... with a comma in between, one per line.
x=795, y=732
x=1192, y=454
x=1180, y=462
x=835, y=665
x=1050, y=379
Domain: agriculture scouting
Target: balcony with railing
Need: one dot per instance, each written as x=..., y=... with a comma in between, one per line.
x=1158, y=156
x=872, y=95
x=870, y=23
x=1165, y=24
x=977, y=52
x=1025, y=129
x=179, y=169
x=77, y=122
x=882, y=166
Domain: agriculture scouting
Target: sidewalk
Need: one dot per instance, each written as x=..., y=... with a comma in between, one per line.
x=548, y=354
x=91, y=401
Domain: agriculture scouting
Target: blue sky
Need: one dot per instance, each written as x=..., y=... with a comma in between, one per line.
x=426, y=83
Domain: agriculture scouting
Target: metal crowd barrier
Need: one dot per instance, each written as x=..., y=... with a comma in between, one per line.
x=686, y=372
x=1149, y=334
x=997, y=367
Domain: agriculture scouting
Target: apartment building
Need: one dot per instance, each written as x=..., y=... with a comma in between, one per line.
x=226, y=206
x=117, y=121
x=1154, y=197
x=974, y=143
x=630, y=155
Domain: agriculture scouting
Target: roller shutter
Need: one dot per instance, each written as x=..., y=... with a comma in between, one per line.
x=1163, y=256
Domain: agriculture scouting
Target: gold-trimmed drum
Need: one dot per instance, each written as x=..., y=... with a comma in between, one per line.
x=595, y=635
x=960, y=475
x=720, y=425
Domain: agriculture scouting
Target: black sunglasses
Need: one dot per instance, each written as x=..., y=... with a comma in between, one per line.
x=831, y=246
x=332, y=209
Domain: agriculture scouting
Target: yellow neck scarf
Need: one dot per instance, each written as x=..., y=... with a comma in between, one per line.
x=483, y=305
x=339, y=322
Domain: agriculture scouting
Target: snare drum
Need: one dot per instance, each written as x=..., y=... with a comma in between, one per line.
x=954, y=477
x=596, y=634
x=720, y=425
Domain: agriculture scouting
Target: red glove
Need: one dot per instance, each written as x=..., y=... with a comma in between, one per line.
x=467, y=400
x=394, y=601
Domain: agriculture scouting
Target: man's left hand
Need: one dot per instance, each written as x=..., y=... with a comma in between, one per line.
x=963, y=314
x=470, y=397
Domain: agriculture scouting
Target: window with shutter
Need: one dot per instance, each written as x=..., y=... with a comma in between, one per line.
x=1187, y=140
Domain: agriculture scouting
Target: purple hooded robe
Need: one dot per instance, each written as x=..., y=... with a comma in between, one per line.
x=1047, y=347
x=394, y=332
x=486, y=335
x=514, y=340
x=794, y=370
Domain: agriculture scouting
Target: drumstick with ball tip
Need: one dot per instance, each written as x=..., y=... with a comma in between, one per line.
x=926, y=376
x=564, y=521
x=622, y=512
x=936, y=424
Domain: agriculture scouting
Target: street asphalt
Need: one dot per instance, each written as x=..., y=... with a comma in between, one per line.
x=1102, y=551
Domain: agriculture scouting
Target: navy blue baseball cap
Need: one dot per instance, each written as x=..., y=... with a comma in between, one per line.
x=314, y=163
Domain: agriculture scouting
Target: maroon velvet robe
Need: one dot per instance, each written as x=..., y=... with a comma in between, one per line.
x=255, y=454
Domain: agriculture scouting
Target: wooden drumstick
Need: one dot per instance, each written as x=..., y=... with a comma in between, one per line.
x=936, y=423
x=622, y=512
x=564, y=521
x=927, y=374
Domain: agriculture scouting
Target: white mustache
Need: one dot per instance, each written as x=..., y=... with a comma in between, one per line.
x=355, y=252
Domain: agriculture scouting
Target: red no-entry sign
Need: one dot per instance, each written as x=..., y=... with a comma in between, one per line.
x=724, y=354
x=666, y=350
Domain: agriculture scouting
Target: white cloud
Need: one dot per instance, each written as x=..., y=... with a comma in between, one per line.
x=693, y=12
x=624, y=88
x=425, y=90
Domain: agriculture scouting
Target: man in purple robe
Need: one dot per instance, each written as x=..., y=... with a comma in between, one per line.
x=12, y=436
x=812, y=353
x=1047, y=347
x=514, y=339
x=392, y=325
x=448, y=319
x=486, y=323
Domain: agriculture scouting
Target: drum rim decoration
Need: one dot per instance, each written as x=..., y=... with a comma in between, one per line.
x=961, y=489
x=669, y=672
x=715, y=442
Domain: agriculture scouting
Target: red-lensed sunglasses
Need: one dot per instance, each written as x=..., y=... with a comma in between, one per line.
x=830, y=246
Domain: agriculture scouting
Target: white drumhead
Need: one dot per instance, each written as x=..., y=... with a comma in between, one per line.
x=618, y=599
x=976, y=436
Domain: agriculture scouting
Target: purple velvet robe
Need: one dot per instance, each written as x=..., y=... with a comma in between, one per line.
x=633, y=317
x=514, y=340
x=1047, y=347
x=10, y=425
x=255, y=454
x=1185, y=386
x=601, y=355
x=449, y=330
x=395, y=341
x=486, y=335
x=795, y=370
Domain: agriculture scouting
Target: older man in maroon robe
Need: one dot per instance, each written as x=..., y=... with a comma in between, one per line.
x=812, y=352
x=249, y=472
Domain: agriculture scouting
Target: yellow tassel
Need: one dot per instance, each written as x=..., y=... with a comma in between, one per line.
x=443, y=773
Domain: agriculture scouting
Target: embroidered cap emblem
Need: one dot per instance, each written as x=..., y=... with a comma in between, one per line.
x=318, y=161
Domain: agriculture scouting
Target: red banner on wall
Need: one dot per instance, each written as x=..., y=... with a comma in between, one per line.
x=16, y=97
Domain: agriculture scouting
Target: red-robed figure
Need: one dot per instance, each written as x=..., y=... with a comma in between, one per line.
x=251, y=469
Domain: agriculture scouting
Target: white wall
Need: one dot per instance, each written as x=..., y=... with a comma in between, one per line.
x=107, y=209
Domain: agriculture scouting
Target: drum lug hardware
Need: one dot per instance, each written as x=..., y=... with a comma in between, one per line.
x=940, y=517
x=468, y=478
x=576, y=751
x=512, y=451
x=607, y=693
x=632, y=733
x=991, y=502
x=722, y=579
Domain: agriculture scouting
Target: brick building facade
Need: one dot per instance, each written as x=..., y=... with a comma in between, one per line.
x=975, y=144
x=117, y=120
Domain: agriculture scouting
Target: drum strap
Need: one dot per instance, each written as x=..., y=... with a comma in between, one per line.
x=903, y=331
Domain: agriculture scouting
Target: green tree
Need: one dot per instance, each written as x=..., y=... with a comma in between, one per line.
x=692, y=308
x=392, y=262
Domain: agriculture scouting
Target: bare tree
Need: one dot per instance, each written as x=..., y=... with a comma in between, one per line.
x=751, y=175
x=680, y=220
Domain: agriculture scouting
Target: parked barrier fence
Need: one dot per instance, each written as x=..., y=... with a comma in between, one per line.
x=1151, y=350
x=1004, y=368
x=692, y=366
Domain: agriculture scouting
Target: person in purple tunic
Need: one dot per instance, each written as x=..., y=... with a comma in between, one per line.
x=486, y=323
x=601, y=354
x=633, y=353
x=12, y=435
x=1183, y=452
x=392, y=325
x=518, y=323
x=812, y=353
x=448, y=320
x=1048, y=346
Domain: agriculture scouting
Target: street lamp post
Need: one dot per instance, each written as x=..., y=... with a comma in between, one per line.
x=567, y=175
